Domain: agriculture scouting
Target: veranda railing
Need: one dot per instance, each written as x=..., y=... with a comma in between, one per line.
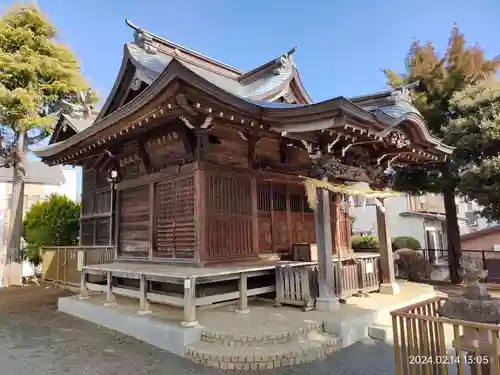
x=427, y=344
x=63, y=264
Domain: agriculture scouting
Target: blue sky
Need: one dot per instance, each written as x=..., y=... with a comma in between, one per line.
x=341, y=45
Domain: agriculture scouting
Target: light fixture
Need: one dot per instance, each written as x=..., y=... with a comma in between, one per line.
x=113, y=174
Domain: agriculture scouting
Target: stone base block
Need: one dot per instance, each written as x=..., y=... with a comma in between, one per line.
x=327, y=304
x=165, y=335
x=353, y=329
x=389, y=288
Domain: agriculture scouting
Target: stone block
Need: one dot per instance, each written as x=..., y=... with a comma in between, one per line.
x=165, y=335
x=352, y=330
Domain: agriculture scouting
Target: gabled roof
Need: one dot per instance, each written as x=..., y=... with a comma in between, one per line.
x=277, y=116
x=154, y=69
x=36, y=172
x=146, y=58
x=68, y=125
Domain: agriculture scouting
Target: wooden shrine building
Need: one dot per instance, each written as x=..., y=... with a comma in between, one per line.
x=193, y=162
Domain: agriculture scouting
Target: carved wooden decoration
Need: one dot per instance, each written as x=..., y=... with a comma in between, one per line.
x=398, y=139
x=331, y=168
x=159, y=144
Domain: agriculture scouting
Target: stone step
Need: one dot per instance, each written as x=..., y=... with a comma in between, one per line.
x=381, y=332
x=300, y=330
x=315, y=345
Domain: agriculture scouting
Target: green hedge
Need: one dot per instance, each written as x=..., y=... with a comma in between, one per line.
x=405, y=242
x=364, y=242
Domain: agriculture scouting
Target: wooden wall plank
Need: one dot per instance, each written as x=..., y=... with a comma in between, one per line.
x=134, y=222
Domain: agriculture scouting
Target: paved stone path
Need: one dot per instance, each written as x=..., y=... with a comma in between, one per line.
x=39, y=340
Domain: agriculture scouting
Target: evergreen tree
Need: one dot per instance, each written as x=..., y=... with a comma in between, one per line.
x=36, y=74
x=441, y=79
x=476, y=136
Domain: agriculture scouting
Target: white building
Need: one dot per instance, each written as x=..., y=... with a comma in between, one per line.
x=40, y=182
x=421, y=217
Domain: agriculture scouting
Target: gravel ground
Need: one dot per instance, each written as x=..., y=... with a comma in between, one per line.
x=36, y=339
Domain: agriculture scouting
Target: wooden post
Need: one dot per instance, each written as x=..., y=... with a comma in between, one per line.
x=80, y=218
x=110, y=297
x=201, y=253
x=111, y=212
x=255, y=218
x=327, y=300
x=189, y=303
x=151, y=233
x=144, y=306
x=243, y=291
x=279, y=286
x=389, y=284
x=84, y=292
x=117, y=224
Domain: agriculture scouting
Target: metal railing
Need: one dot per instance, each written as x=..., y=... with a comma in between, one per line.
x=63, y=264
x=427, y=344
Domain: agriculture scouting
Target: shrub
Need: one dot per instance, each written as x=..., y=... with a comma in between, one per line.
x=364, y=242
x=53, y=222
x=405, y=242
x=412, y=265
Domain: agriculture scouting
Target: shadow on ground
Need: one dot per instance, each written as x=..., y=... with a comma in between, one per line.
x=38, y=340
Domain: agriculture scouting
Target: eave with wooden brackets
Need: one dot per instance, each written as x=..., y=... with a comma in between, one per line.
x=180, y=93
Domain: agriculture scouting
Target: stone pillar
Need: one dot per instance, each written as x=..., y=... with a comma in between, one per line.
x=327, y=301
x=389, y=284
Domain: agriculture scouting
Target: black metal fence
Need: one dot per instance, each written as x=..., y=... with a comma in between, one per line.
x=487, y=259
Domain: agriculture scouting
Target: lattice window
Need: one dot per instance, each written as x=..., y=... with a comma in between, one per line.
x=279, y=201
x=296, y=203
x=229, y=194
x=174, y=218
x=229, y=216
x=264, y=198
x=306, y=205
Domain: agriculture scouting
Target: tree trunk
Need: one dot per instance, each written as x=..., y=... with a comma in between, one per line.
x=13, y=266
x=452, y=229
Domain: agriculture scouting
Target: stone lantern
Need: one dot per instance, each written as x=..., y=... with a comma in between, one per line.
x=474, y=304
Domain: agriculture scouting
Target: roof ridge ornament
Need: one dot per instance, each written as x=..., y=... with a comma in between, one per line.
x=144, y=40
x=286, y=62
x=80, y=109
x=402, y=93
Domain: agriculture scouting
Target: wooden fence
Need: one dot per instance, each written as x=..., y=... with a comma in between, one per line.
x=63, y=264
x=298, y=285
x=427, y=344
